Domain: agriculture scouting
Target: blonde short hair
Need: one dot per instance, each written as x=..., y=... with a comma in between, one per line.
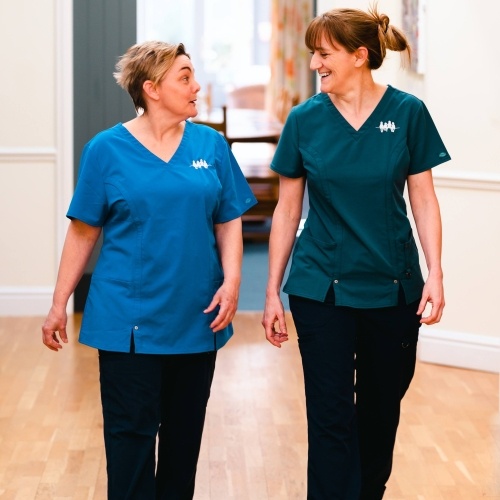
x=145, y=61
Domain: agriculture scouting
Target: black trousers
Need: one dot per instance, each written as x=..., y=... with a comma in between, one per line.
x=145, y=397
x=358, y=364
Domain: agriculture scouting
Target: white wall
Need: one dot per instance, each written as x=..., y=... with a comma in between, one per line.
x=35, y=149
x=459, y=87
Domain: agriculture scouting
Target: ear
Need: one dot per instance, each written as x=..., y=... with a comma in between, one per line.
x=361, y=56
x=149, y=89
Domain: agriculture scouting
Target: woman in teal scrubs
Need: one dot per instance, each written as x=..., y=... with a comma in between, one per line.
x=167, y=196
x=357, y=294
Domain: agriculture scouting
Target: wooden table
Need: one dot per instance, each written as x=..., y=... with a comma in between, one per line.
x=252, y=135
x=243, y=125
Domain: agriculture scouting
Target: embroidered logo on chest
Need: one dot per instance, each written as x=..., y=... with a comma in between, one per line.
x=387, y=126
x=200, y=164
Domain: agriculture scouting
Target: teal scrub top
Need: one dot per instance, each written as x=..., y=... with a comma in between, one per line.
x=159, y=265
x=357, y=236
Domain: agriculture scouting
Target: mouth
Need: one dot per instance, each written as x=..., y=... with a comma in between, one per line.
x=324, y=75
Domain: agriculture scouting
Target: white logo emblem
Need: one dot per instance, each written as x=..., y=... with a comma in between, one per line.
x=387, y=126
x=199, y=164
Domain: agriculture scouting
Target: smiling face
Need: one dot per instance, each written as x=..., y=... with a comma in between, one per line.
x=334, y=65
x=178, y=89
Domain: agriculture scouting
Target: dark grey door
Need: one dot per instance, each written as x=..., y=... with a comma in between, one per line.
x=102, y=31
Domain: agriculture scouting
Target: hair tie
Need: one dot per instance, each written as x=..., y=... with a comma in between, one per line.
x=384, y=24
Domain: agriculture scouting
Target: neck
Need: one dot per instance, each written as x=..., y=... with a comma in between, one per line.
x=159, y=125
x=359, y=97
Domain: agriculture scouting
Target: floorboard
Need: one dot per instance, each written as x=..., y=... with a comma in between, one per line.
x=254, y=445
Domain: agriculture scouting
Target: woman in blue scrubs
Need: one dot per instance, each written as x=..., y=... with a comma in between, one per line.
x=356, y=291
x=167, y=195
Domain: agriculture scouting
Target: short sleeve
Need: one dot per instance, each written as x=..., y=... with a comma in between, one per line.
x=89, y=202
x=236, y=196
x=287, y=160
x=426, y=148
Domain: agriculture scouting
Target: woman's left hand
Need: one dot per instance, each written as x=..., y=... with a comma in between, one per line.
x=226, y=298
x=433, y=294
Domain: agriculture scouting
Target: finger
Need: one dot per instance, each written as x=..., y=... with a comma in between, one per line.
x=223, y=318
x=274, y=342
x=282, y=325
x=219, y=323
x=434, y=316
x=421, y=306
x=212, y=305
x=273, y=337
x=63, y=335
x=51, y=341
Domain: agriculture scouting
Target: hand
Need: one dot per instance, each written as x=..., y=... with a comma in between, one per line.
x=226, y=298
x=55, y=322
x=274, y=313
x=433, y=294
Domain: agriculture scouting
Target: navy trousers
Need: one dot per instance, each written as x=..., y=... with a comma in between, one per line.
x=145, y=397
x=358, y=364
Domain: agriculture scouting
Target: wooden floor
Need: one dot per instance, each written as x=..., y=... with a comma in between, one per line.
x=254, y=446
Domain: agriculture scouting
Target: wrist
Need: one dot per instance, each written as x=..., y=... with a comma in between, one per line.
x=436, y=273
x=232, y=281
x=272, y=291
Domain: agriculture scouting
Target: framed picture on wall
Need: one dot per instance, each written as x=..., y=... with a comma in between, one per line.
x=414, y=27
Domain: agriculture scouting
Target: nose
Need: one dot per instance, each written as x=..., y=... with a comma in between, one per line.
x=315, y=63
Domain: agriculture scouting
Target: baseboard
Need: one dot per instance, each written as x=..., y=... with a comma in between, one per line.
x=457, y=349
x=460, y=350
x=25, y=301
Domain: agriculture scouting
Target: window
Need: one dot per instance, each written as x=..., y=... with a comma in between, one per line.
x=229, y=42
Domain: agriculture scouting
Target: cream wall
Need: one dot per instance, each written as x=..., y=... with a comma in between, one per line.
x=35, y=149
x=459, y=87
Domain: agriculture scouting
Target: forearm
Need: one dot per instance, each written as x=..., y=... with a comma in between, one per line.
x=428, y=221
x=425, y=209
x=281, y=241
x=230, y=245
x=78, y=246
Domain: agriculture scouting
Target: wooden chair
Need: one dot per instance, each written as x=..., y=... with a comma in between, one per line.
x=247, y=97
x=254, y=159
x=216, y=123
x=284, y=104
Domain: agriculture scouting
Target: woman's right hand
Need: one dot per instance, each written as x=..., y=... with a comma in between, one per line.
x=274, y=313
x=55, y=322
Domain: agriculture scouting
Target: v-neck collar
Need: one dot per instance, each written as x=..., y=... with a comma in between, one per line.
x=140, y=146
x=368, y=122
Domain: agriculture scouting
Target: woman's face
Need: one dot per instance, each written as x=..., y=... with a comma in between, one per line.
x=334, y=65
x=178, y=89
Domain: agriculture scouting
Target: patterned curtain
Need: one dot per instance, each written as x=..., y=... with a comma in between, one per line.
x=291, y=80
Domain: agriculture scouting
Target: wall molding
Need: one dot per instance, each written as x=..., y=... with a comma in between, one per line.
x=27, y=155
x=484, y=181
x=25, y=301
x=458, y=349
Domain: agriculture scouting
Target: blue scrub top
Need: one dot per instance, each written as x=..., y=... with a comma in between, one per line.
x=357, y=236
x=159, y=266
